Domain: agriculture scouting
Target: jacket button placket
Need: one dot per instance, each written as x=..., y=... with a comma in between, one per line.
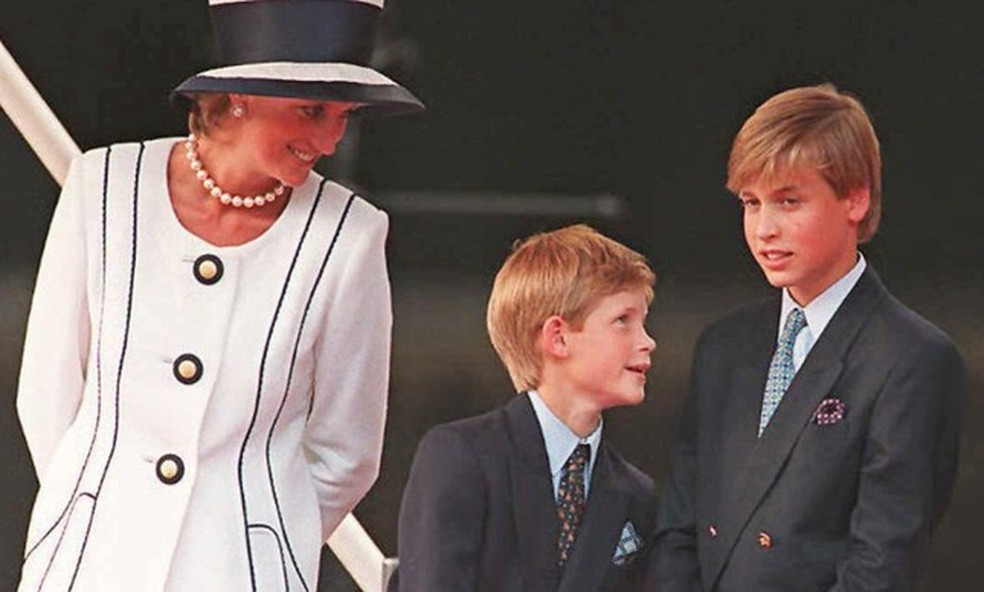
x=187, y=368
x=208, y=269
x=170, y=469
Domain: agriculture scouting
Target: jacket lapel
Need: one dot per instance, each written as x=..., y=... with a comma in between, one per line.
x=534, y=510
x=736, y=419
x=811, y=384
x=600, y=530
x=744, y=401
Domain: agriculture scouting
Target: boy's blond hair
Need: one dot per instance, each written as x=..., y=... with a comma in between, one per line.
x=566, y=273
x=816, y=126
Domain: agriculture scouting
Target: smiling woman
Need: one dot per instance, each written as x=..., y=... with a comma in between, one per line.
x=248, y=159
x=205, y=371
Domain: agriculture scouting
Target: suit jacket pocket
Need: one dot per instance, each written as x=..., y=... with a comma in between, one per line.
x=52, y=562
x=267, y=557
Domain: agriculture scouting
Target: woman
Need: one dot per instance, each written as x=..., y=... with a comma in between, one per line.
x=205, y=370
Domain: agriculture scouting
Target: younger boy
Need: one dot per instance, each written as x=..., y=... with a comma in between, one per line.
x=818, y=447
x=530, y=497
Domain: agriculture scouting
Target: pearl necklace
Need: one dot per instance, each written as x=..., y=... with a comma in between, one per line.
x=191, y=153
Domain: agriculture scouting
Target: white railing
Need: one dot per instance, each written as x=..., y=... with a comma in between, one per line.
x=31, y=115
x=34, y=119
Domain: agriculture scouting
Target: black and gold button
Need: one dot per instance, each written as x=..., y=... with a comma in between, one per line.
x=208, y=269
x=170, y=469
x=765, y=541
x=187, y=368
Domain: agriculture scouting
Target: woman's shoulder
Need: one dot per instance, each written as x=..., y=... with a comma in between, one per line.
x=354, y=208
x=100, y=156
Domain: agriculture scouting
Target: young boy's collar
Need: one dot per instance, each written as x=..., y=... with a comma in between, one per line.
x=559, y=440
x=822, y=308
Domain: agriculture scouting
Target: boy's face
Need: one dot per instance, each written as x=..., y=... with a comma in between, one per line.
x=609, y=356
x=801, y=234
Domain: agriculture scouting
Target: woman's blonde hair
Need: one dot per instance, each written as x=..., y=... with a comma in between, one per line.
x=816, y=126
x=566, y=273
x=206, y=111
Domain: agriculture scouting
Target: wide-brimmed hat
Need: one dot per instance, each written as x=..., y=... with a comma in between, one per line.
x=309, y=49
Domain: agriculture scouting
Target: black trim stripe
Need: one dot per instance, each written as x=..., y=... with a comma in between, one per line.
x=119, y=370
x=290, y=376
x=259, y=385
x=295, y=30
x=380, y=99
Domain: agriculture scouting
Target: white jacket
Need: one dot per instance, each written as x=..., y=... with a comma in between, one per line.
x=200, y=418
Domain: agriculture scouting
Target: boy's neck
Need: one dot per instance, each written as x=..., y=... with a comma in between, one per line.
x=580, y=416
x=806, y=297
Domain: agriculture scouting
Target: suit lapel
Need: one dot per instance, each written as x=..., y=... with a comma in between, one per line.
x=811, y=384
x=736, y=417
x=534, y=510
x=608, y=504
x=743, y=404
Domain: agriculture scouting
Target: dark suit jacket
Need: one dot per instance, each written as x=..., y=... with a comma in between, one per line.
x=810, y=507
x=478, y=512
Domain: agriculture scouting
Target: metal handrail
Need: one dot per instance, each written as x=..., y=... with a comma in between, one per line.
x=36, y=122
x=29, y=112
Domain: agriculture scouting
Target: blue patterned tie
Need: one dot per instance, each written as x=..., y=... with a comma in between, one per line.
x=781, y=370
x=571, y=500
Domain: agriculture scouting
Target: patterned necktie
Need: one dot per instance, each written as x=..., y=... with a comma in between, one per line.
x=571, y=500
x=781, y=370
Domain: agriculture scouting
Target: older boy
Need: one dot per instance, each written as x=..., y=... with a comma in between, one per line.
x=530, y=497
x=818, y=446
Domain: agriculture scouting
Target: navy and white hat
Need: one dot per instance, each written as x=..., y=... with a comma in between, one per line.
x=310, y=49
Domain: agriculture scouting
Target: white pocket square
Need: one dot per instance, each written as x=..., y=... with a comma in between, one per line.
x=628, y=545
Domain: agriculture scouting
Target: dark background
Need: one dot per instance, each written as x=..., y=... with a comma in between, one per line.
x=557, y=106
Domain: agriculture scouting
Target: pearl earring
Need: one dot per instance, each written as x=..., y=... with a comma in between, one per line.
x=238, y=110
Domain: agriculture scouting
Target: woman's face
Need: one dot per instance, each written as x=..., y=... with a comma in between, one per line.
x=283, y=138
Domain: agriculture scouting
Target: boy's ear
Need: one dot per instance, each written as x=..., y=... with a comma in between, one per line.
x=859, y=200
x=553, y=337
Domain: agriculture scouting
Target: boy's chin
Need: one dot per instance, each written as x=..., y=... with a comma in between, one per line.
x=776, y=280
x=631, y=401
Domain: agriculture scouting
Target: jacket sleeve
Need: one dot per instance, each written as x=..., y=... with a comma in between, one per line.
x=344, y=433
x=442, y=516
x=673, y=563
x=907, y=471
x=56, y=344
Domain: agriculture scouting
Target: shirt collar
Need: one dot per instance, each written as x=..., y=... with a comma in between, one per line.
x=819, y=312
x=559, y=439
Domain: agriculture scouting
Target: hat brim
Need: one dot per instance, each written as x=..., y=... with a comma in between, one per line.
x=379, y=95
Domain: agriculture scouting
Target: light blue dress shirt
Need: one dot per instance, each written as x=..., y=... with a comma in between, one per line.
x=561, y=442
x=819, y=312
